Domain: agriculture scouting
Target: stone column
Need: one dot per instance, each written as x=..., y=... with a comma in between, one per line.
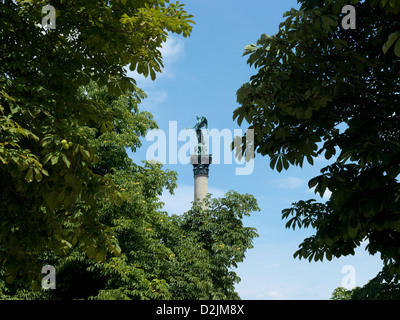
x=200, y=186
x=201, y=163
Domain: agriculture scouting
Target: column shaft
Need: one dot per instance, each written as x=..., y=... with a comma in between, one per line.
x=200, y=187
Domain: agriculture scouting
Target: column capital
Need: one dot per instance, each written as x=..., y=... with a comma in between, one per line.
x=201, y=163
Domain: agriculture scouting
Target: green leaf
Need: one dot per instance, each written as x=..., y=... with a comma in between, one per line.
x=85, y=153
x=279, y=165
x=60, y=197
x=66, y=244
x=54, y=159
x=117, y=250
x=329, y=153
x=285, y=164
x=38, y=176
x=100, y=256
x=352, y=232
x=91, y=252
x=66, y=160
x=390, y=41
x=336, y=7
x=313, y=182
x=273, y=161
x=249, y=49
x=10, y=279
x=29, y=175
x=339, y=43
x=397, y=48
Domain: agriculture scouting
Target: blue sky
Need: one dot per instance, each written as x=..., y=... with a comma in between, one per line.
x=201, y=76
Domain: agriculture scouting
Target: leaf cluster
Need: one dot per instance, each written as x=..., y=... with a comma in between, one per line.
x=381, y=287
x=133, y=250
x=323, y=91
x=55, y=149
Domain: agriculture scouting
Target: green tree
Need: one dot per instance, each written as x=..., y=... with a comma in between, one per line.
x=382, y=287
x=220, y=232
x=321, y=90
x=341, y=293
x=49, y=168
x=154, y=255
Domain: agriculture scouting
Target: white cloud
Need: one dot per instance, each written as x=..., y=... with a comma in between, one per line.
x=172, y=50
x=322, y=158
x=289, y=183
x=181, y=201
x=274, y=295
x=326, y=196
x=154, y=98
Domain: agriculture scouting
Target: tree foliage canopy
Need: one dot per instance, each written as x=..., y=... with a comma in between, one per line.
x=153, y=255
x=381, y=287
x=321, y=90
x=70, y=195
x=52, y=172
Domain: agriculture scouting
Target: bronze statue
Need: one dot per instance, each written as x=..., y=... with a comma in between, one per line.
x=201, y=159
x=201, y=123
